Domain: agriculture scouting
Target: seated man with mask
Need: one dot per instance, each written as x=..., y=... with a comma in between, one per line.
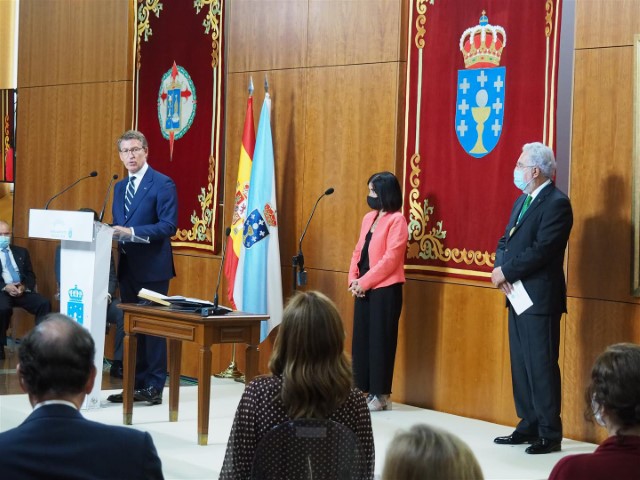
x=18, y=284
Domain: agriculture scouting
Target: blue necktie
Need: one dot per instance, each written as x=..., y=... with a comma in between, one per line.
x=128, y=197
x=15, y=277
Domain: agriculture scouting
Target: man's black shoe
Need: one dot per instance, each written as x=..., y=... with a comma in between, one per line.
x=544, y=445
x=516, y=438
x=116, y=369
x=117, y=397
x=151, y=395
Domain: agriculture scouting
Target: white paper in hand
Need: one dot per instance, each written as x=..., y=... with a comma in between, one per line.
x=519, y=298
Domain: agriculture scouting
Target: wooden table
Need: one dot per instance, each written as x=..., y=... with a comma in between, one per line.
x=176, y=326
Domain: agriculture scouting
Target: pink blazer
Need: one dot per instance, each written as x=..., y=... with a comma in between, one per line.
x=387, y=251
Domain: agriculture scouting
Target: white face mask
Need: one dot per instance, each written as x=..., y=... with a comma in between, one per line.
x=597, y=412
x=518, y=179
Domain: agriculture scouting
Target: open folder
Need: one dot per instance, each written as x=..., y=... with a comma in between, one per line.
x=178, y=302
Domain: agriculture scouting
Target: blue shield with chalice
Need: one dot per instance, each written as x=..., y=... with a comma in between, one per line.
x=480, y=89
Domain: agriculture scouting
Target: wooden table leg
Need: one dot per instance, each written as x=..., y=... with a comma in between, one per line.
x=175, y=352
x=129, y=374
x=204, y=393
x=251, y=357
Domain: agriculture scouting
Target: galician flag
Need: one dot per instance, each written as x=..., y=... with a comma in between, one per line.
x=261, y=279
x=234, y=242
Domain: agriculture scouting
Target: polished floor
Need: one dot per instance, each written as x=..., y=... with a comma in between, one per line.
x=183, y=458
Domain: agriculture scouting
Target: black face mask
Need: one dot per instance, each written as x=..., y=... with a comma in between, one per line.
x=374, y=203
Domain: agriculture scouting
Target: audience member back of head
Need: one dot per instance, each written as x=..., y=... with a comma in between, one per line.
x=427, y=453
x=56, y=371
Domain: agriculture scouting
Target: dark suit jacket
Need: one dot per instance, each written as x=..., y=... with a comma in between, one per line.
x=23, y=260
x=57, y=442
x=153, y=214
x=533, y=250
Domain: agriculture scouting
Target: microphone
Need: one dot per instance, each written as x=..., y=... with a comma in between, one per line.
x=106, y=197
x=216, y=309
x=92, y=174
x=298, y=260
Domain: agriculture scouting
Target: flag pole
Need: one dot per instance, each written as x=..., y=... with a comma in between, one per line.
x=232, y=370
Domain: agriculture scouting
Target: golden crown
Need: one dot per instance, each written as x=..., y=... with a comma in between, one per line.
x=482, y=44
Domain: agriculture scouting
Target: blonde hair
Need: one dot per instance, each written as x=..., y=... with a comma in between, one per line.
x=424, y=453
x=309, y=355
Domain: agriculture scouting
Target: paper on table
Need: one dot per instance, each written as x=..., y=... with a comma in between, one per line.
x=166, y=300
x=519, y=298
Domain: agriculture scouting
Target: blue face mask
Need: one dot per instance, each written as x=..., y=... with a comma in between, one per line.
x=4, y=242
x=518, y=179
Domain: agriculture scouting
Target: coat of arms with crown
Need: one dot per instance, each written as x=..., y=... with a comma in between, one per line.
x=481, y=87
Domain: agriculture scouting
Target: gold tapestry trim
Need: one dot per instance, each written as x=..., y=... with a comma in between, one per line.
x=429, y=244
x=201, y=225
x=211, y=24
x=421, y=19
x=144, y=23
x=548, y=18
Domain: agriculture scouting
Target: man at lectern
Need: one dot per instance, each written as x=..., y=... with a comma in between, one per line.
x=56, y=371
x=529, y=270
x=146, y=205
x=18, y=284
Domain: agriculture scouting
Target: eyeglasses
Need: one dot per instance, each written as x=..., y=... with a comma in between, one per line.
x=519, y=165
x=134, y=150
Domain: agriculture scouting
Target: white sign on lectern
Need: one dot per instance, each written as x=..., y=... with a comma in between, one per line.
x=84, y=273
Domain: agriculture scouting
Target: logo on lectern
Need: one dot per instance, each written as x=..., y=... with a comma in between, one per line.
x=75, y=307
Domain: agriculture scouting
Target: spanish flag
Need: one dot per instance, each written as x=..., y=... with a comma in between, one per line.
x=234, y=242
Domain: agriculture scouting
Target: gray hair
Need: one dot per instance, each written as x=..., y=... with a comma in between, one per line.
x=541, y=156
x=133, y=135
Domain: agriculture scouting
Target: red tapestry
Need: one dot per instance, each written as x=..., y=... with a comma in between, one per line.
x=7, y=139
x=481, y=82
x=179, y=94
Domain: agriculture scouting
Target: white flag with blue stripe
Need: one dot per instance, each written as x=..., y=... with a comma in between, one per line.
x=260, y=254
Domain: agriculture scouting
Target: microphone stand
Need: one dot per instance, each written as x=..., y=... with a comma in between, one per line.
x=299, y=273
x=232, y=370
x=92, y=174
x=106, y=197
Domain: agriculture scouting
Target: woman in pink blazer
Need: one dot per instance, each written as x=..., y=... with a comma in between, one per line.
x=376, y=276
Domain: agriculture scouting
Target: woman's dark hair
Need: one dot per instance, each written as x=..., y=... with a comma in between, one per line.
x=615, y=385
x=387, y=187
x=309, y=355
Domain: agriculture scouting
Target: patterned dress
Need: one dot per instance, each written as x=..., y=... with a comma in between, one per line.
x=259, y=411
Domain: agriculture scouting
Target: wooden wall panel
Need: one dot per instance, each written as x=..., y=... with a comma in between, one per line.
x=74, y=41
x=347, y=32
x=65, y=132
x=606, y=23
x=591, y=326
x=453, y=352
x=266, y=35
x=344, y=147
x=600, y=185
